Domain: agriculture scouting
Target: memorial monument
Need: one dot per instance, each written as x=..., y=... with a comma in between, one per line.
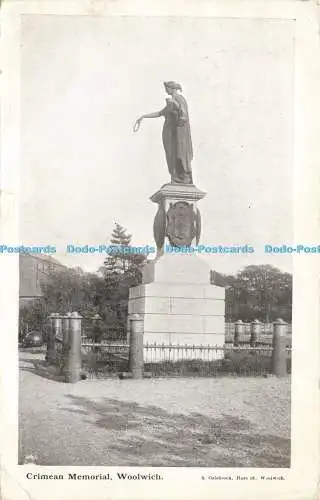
x=176, y=300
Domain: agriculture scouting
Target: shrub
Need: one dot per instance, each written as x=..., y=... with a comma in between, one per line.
x=247, y=363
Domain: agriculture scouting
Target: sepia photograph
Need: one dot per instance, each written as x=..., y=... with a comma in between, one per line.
x=147, y=204
x=165, y=295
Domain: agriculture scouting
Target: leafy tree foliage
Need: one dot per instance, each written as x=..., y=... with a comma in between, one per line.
x=121, y=270
x=32, y=317
x=263, y=292
x=71, y=290
x=63, y=291
x=90, y=293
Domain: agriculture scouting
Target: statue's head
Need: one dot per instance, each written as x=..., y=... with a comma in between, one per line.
x=172, y=87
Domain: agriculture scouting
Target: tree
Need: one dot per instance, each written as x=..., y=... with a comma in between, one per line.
x=32, y=316
x=90, y=294
x=122, y=261
x=121, y=270
x=64, y=290
x=263, y=292
x=71, y=290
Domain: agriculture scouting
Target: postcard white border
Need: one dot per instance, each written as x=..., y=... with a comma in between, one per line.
x=302, y=478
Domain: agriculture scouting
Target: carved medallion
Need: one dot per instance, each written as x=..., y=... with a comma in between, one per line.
x=181, y=224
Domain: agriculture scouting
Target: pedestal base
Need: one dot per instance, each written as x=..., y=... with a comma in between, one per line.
x=179, y=306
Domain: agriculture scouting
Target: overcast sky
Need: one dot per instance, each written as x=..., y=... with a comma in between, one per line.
x=84, y=82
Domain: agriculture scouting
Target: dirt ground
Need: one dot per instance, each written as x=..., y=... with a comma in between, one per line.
x=196, y=422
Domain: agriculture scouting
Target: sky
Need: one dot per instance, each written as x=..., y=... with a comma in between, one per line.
x=85, y=80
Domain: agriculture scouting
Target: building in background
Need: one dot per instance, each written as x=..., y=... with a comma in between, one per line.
x=33, y=271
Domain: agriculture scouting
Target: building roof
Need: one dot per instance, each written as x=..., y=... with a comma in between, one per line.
x=44, y=258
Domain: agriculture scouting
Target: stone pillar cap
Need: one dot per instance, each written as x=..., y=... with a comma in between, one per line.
x=75, y=314
x=135, y=316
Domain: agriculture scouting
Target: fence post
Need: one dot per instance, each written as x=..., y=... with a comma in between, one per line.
x=136, y=361
x=238, y=331
x=255, y=331
x=73, y=365
x=128, y=328
x=51, y=346
x=66, y=320
x=279, y=358
x=96, y=328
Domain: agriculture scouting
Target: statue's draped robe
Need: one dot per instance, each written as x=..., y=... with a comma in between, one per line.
x=176, y=138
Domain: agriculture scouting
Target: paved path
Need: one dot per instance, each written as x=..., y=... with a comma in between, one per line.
x=217, y=422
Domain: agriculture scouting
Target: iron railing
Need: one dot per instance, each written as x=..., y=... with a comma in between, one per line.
x=168, y=360
x=96, y=331
x=103, y=359
x=208, y=361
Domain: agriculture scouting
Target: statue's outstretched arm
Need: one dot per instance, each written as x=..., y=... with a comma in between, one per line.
x=156, y=114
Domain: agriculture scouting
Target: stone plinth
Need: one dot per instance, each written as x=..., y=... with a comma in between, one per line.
x=179, y=306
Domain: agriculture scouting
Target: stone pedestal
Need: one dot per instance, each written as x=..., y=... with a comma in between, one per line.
x=175, y=299
x=180, y=308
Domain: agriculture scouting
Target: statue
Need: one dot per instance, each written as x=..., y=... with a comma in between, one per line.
x=176, y=135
